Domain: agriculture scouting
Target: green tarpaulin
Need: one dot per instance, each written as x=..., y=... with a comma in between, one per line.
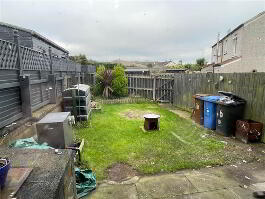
x=29, y=143
x=85, y=182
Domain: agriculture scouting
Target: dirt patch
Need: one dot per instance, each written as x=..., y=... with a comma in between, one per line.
x=119, y=172
x=135, y=114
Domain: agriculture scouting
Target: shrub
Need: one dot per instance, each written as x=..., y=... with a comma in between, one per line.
x=120, y=82
x=99, y=87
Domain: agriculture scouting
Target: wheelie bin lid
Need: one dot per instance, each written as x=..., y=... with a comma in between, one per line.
x=211, y=98
x=231, y=99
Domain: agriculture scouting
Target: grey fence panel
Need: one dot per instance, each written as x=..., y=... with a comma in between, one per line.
x=90, y=78
x=10, y=105
x=8, y=76
x=36, y=96
x=59, y=88
x=38, y=66
x=88, y=69
x=34, y=60
x=8, y=55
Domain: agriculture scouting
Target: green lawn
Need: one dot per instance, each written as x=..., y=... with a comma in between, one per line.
x=114, y=137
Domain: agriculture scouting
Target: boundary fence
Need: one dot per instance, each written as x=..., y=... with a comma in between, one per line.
x=30, y=79
x=249, y=86
x=157, y=88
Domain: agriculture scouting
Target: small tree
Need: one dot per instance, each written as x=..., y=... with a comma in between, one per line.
x=111, y=81
x=120, y=82
x=201, y=61
x=81, y=59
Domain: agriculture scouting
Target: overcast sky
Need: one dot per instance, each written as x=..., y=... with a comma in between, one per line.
x=131, y=29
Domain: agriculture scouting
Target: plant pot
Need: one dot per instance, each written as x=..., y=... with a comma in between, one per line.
x=4, y=167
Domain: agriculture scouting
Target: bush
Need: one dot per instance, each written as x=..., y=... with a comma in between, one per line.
x=99, y=87
x=120, y=82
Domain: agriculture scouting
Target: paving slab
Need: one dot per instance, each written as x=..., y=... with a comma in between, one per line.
x=208, y=182
x=164, y=186
x=242, y=193
x=216, y=194
x=258, y=186
x=115, y=192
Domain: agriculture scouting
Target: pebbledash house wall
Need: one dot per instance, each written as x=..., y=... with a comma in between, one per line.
x=250, y=55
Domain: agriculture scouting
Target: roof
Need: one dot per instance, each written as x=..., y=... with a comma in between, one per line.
x=136, y=70
x=171, y=63
x=230, y=33
x=176, y=69
x=241, y=25
x=33, y=33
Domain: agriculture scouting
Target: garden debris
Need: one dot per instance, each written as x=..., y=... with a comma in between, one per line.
x=249, y=149
x=204, y=136
x=244, y=161
x=85, y=182
x=247, y=177
x=224, y=142
x=58, y=152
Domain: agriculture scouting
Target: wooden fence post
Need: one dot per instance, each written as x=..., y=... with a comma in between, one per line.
x=50, y=56
x=24, y=80
x=25, y=90
x=19, y=58
x=154, y=88
x=52, y=88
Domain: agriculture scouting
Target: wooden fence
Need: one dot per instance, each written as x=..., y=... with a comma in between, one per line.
x=249, y=86
x=157, y=88
x=30, y=79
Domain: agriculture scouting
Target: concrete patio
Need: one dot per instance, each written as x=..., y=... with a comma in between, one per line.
x=228, y=182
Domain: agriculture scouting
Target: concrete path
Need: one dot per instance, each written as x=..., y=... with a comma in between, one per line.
x=228, y=182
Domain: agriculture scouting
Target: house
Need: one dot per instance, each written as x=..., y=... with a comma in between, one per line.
x=176, y=70
x=137, y=71
x=242, y=49
x=170, y=64
x=31, y=39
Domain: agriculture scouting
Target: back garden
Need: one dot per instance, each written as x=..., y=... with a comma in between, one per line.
x=116, y=147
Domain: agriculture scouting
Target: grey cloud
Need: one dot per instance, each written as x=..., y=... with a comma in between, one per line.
x=145, y=30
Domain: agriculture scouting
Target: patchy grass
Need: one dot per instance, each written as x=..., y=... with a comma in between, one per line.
x=115, y=138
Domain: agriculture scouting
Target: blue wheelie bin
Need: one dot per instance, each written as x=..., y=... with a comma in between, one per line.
x=210, y=111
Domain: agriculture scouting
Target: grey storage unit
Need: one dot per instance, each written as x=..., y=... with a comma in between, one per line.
x=77, y=101
x=55, y=130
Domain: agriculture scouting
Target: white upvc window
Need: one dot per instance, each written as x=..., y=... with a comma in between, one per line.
x=220, y=49
x=225, y=47
x=235, y=45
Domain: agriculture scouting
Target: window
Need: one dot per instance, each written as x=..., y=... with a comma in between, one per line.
x=220, y=48
x=235, y=45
